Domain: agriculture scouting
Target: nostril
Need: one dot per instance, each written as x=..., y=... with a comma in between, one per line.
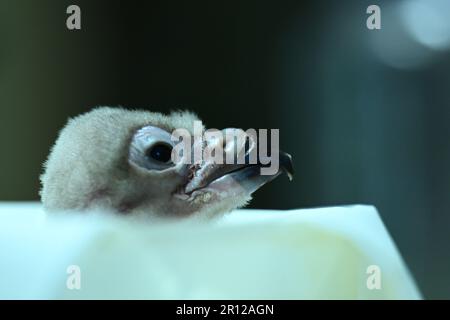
x=224, y=144
x=247, y=145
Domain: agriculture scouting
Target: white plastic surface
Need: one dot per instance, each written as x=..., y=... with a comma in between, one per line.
x=321, y=253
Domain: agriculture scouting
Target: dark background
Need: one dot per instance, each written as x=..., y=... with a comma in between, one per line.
x=364, y=113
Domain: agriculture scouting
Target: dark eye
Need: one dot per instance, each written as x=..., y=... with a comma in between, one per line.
x=160, y=152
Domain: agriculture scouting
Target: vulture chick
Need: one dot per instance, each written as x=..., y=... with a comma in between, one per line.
x=119, y=160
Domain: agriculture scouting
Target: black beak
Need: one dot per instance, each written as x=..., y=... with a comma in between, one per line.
x=248, y=176
x=286, y=164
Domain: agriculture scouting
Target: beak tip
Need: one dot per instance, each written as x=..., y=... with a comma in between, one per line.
x=290, y=176
x=286, y=165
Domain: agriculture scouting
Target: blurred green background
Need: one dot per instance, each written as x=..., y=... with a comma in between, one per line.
x=364, y=113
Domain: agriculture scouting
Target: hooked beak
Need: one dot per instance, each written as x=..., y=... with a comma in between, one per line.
x=234, y=179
